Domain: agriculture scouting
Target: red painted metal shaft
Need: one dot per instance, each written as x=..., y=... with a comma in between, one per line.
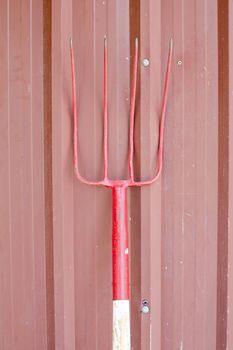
x=120, y=256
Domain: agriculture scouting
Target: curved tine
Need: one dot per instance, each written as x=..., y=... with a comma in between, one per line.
x=132, y=111
x=105, y=109
x=75, y=144
x=162, y=122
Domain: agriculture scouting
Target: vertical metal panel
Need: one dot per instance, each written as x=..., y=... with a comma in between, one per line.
x=55, y=234
x=150, y=200
x=190, y=179
x=63, y=209
x=82, y=225
x=23, y=288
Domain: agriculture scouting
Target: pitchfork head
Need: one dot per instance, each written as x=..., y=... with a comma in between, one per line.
x=158, y=168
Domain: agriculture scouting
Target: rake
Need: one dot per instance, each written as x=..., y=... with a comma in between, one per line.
x=120, y=257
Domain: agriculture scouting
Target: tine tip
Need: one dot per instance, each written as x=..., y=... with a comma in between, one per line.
x=105, y=41
x=171, y=42
x=136, y=42
x=71, y=44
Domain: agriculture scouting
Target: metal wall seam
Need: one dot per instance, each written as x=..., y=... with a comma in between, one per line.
x=223, y=172
x=230, y=211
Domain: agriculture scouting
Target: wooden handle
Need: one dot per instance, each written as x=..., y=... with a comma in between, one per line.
x=121, y=325
x=120, y=270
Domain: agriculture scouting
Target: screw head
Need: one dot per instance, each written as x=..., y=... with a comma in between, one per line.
x=146, y=62
x=145, y=309
x=145, y=306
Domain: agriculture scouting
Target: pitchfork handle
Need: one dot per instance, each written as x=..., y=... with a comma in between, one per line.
x=120, y=269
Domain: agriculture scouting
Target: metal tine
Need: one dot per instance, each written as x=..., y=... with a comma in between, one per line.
x=162, y=122
x=130, y=182
x=75, y=126
x=132, y=112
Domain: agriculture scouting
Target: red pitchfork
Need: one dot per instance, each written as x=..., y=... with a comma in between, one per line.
x=120, y=266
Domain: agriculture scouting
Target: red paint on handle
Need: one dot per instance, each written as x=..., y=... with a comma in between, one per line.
x=120, y=256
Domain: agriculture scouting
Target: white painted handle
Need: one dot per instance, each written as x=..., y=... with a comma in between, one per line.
x=121, y=325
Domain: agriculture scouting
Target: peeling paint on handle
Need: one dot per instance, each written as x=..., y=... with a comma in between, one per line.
x=121, y=325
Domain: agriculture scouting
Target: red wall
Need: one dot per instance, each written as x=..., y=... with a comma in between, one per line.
x=55, y=233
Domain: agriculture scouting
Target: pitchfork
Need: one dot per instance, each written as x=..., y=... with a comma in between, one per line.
x=120, y=261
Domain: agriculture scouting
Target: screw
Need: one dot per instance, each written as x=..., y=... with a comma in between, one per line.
x=145, y=309
x=179, y=63
x=146, y=62
x=145, y=306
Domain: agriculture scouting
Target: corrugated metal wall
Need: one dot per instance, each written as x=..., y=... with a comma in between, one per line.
x=55, y=234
